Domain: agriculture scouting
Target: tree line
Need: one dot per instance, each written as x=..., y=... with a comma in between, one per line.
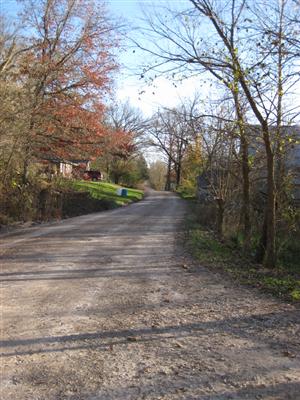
x=57, y=68
x=56, y=72
x=250, y=52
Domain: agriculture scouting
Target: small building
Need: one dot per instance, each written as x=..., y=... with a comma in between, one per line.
x=290, y=158
x=66, y=168
x=291, y=162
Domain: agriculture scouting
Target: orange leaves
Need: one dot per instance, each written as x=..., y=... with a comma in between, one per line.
x=120, y=144
x=68, y=72
x=94, y=78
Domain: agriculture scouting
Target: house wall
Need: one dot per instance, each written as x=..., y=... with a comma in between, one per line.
x=259, y=172
x=65, y=169
x=291, y=159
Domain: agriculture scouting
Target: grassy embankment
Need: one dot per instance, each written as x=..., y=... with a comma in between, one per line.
x=64, y=198
x=108, y=192
x=227, y=255
x=84, y=197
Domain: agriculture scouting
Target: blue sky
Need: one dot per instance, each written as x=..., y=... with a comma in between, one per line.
x=128, y=84
x=127, y=8
x=8, y=7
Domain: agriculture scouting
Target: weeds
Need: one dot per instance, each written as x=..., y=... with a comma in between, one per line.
x=227, y=255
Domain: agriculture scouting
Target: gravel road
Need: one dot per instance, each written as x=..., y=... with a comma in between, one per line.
x=109, y=306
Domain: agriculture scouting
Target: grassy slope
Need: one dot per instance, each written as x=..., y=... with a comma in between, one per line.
x=108, y=191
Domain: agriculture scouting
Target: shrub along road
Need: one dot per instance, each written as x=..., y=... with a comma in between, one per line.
x=108, y=306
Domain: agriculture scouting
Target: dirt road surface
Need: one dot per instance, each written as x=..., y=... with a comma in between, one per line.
x=108, y=306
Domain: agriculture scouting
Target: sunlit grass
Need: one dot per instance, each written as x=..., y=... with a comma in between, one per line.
x=108, y=191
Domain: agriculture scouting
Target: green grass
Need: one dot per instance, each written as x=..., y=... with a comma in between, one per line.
x=289, y=255
x=108, y=192
x=186, y=193
x=225, y=256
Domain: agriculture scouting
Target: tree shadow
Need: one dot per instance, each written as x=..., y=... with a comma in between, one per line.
x=277, y=391
x=249, y=328
x=94, y=273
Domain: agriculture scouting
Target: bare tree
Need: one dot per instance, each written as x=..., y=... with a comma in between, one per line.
x=126, y=118
x=171, y=131
x=157, y=175
x=230, y=52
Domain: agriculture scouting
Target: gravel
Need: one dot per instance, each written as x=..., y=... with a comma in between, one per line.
x=109, y=306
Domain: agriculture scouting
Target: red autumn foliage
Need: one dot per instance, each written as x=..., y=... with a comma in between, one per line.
x=68, y=71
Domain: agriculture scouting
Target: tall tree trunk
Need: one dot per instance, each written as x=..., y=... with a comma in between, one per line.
x=168, y=177
x=270, y=255
x=266, y=251
x=245, y=167
x=261, y=248
x=220, y=216
x=246, y=191
x=24, y=175
x=178, y=174
x=279, y=167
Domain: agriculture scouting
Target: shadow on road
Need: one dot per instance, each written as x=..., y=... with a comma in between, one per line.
x=252, y=327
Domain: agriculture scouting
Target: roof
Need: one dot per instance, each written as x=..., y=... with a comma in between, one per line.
x=64, y=161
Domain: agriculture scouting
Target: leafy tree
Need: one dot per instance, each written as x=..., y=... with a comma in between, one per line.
x=55, y=73
x=192, y=167
x=66, y=74
x=123, y=145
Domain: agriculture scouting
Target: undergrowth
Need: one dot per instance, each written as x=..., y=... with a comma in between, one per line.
x=226, y=255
